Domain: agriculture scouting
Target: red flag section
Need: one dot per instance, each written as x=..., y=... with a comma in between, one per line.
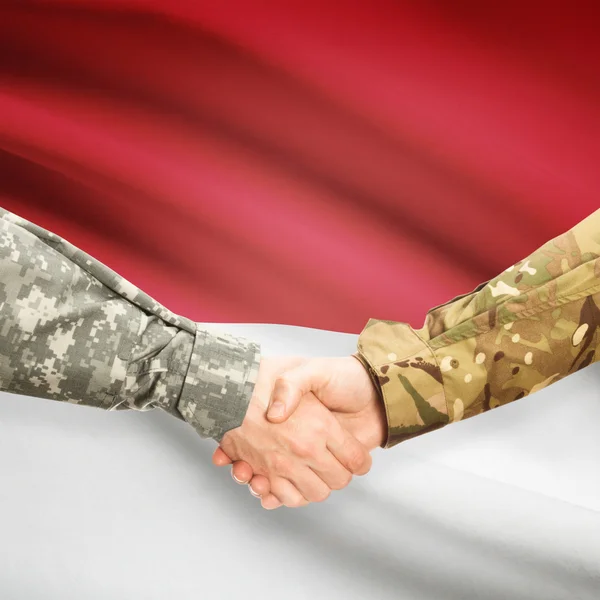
x=310, y=163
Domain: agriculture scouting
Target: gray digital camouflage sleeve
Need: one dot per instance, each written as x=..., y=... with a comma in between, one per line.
x=73, y=330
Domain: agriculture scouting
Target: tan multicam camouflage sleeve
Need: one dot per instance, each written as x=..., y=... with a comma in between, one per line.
x=74, y=330
x=530, y=326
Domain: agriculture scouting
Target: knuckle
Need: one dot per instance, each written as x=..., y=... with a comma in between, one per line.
x=282, y=384
x=322, y=495
x=367, y=465
x=302, y=448
x=293, y=503
x=343, y=481
x=319, y=429
x=279, y=463
x=356, y=461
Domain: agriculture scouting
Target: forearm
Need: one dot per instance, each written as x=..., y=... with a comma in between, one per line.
x=523, y=330
x=73, y=330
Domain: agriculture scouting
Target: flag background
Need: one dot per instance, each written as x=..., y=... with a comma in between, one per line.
x=306, y=163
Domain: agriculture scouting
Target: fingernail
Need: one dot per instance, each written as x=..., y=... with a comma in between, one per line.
x=253, y=492
x=276, y=410
x=236, y=479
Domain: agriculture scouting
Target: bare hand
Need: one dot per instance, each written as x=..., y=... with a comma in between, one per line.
x=343, y=386
x=303, y=458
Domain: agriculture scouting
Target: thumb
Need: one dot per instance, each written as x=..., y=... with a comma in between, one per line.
x=291, y=385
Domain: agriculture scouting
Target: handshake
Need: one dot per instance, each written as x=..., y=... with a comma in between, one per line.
x=309, y=428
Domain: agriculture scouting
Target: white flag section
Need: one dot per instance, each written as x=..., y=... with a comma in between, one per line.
x=97, y=505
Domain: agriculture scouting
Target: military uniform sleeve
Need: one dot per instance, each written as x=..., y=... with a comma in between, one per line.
x=75, y=331
x=530, y=326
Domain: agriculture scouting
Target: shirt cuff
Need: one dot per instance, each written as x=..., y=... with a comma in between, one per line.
x=408, y=376
x=219, y=383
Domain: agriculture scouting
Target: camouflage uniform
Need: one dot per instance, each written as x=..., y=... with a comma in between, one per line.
x=73, y=330
x=528, y=327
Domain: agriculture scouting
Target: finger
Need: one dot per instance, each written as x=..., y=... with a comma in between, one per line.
x=270, y=502
x=290, y=386
x=219, y=458
x=310, y=485
x=332, y=472
x=253, y=492
x=287, y=493
x=259, y=485
x=348, y=451
x=241, y=471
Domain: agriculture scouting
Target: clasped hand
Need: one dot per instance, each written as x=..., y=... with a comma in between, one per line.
x=310, y=426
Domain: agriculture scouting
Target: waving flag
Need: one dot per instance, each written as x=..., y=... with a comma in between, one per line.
x=296, y=162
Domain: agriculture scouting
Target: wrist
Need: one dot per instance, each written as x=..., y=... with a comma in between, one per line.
x=374, y=418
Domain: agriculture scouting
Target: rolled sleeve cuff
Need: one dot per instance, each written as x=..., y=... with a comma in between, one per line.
x=219, y=382
x=409, y=379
